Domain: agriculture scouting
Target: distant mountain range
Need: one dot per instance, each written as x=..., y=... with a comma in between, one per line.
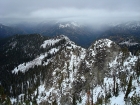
x=81, y=34
x=6, y=31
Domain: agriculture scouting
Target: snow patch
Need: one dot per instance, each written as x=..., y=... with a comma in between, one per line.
x=119, y=100
x=71, y=24
x=64, y=25
x=128, y=43
x=38, y=61
x=49, y=42
x=103, y=43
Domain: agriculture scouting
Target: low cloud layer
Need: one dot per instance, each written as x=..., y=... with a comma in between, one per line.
x=90, y=11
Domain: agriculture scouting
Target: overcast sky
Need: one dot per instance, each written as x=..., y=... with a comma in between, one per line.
x=83, y=10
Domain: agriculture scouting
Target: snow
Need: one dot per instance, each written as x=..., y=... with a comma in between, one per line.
x=25, y=66
x=103, y=43
x=43, y=93
x=75, y=24
x=13, y=44
x=97, y=92
x=71, y=65
x=119, y=100
x=108, y=82
x=136, y=90
x=70, y=24
x=49, y=42
x=13, y=100
x=107, y=87
x=53, y=50
x=38, y=61
x=83, y=78
x=70, y=69
x=127, y=65
x=128, y=43
x=64, y=25
x=109, y=43
x=130, y=61
x=84, y=100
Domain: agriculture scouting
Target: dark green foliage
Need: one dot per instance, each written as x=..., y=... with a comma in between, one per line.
x=128, y=88
x=117, y=90
x=99, y=101
x=8, y=102
x=107, y=96
x=135, y=100
x=138, y=67
x=27, y=48
x=80, y=99
x=1, y=90
x=54, y=102
x=125, y=52
x=19, y=49
x=74, y=100
x=34, y=101
x=3, y=97
x=39, y=73
x=114, y=81
x=29, y=87
x=15, y=51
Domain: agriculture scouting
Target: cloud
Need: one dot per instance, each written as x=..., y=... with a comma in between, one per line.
x=88, y=10
x=82, y=13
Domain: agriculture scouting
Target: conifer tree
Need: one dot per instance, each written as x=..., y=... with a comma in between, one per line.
x=128, y=88
x=74, y=100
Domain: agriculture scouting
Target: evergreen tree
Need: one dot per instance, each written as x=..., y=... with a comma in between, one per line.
x=74, y=100
x=54, y=102
x=117, y=90
x=128, y=88
x=114, y=81
x=8, y=102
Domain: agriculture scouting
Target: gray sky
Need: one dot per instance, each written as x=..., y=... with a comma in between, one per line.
x=83, y=10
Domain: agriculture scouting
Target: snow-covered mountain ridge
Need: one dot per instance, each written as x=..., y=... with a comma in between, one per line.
x=67, y=74
x=39, y=59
